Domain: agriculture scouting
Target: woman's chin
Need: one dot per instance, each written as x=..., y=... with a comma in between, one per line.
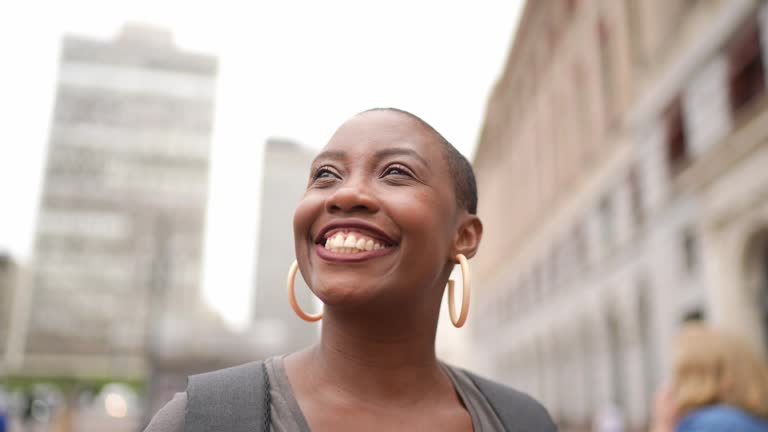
x=343, y=292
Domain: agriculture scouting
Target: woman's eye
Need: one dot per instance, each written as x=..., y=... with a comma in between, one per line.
x=324, y=173
x=396, y=170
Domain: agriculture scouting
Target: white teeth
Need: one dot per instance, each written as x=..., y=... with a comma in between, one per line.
x=350, y=241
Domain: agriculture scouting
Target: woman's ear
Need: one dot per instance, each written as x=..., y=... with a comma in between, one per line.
x=468, y=236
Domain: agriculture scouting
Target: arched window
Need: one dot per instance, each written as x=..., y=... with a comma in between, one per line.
x=757, y=278
x=747, y=78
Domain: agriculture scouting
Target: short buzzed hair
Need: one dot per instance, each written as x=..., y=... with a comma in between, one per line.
x=464, y=184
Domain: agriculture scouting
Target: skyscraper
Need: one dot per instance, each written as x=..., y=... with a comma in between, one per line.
x=286, y=171
x=119, y=235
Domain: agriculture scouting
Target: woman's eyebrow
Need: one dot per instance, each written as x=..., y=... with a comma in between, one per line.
x=330, y=154
x=399, y=151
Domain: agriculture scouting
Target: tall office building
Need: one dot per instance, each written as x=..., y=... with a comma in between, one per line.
x=624, y=190
x=120, y=226
x=286, y=172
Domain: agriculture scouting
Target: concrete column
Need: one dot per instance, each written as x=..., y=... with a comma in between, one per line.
x=762, y=22
x=706, y=106
x=633, y=361
x=653, y=163
x=622, y=211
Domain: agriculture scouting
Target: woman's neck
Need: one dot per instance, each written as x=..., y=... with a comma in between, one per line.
x=382, y=341
x=374, y=358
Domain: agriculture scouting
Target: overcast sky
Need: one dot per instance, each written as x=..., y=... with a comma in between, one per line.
x=287, y=68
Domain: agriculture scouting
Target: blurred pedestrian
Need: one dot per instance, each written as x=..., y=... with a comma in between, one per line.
x=4, y=410
x=718, y=384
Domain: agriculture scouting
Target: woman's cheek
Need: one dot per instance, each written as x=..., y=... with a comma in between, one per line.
x=305, y=214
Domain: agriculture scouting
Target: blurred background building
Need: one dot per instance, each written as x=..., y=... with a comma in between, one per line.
x=115, y=292
x=120, y=226
x=285, y=177
x=624, y=156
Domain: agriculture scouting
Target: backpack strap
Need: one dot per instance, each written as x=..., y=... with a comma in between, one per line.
x=517, y=411
x=229, y=400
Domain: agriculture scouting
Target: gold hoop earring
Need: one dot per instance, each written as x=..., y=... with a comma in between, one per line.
x=465, y=290
x=292, y=296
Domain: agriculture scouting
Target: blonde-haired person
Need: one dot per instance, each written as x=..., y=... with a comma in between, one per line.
x=718, y=384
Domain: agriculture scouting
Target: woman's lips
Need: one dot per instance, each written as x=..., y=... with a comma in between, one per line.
x=329, y=255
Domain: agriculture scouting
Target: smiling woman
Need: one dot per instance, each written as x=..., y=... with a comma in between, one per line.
x=388, y=212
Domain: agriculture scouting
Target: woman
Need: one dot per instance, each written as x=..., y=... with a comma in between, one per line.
x=388, y=211
x=718, y=384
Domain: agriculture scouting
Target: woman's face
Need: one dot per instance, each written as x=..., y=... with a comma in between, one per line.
x=379, y=216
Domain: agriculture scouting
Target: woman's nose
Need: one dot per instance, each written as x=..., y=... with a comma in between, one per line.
x=352, y=197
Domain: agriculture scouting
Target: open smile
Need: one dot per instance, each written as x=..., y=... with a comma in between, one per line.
x=351, y=241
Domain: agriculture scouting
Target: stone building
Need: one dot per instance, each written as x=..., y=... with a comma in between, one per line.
x=118, y=246
x=8, y=283
x=285, y=177
x=14, y=311
x=623, y=185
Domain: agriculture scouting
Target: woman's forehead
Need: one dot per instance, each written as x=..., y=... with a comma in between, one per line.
x=374, y=131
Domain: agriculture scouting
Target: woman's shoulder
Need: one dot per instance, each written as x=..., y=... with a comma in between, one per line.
x=170, y=418
x=238, y=387
x=510, y=405
x=721, y=417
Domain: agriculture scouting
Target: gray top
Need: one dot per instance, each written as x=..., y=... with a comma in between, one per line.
x=287, y=416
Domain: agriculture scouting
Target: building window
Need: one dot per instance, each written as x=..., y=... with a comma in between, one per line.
x=694, y=315
x=747, y=79
x=582, y=106
x=580, y=247
x=538, y=284
x=606, y=221
x=506, y=306
x=677, y=145
x=635, y=28
x=552, y=33
x=635, y=195
x=564, y=265
x=690, y=251
x=525, y=294
x=517, y=298
x=554, y=269
x=571, y=5
x=606, y=68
